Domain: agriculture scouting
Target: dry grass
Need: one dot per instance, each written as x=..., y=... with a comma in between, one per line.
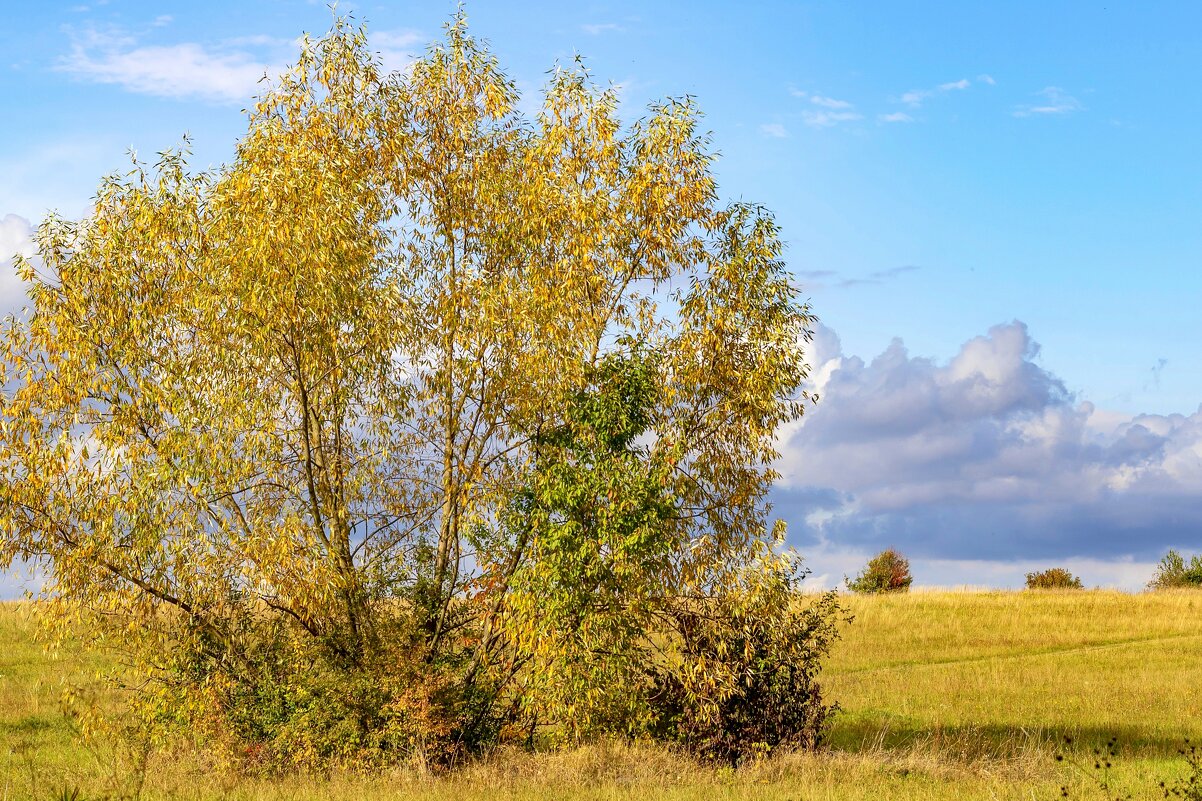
x=946, y=695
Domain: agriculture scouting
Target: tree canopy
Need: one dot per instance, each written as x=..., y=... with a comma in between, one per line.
x=419, y=422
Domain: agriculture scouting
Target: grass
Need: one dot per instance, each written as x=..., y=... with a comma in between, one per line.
x=945, y=695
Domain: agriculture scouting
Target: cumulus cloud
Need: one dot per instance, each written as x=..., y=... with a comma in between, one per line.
x=986, y=456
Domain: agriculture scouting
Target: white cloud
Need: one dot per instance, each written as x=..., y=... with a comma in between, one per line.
x=396, y=49
x=183, y=70
x=828, y=119
x=916, y=97
x=984, y=457
x=230, y=72
x=598, y=28
x=774, y=130
x=1055, y=102
x=897, y=116
x=16, y=238
x=829, y=102
x=987, y=79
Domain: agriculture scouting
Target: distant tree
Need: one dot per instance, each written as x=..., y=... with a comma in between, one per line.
x=888, y=571
x=1175, y=570
x=1056, y=578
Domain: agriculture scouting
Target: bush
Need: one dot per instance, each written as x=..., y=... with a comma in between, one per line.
x=888, y=571
x=759, y=691
x=1055, y=578
x=1175, y=571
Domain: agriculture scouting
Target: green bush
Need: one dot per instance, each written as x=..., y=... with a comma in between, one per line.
x=1175, y=571
x=1055, y=578
x=888, y=571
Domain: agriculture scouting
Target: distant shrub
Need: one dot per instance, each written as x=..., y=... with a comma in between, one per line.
x=1175, y=571
x=1056, y=578
x=888, y=571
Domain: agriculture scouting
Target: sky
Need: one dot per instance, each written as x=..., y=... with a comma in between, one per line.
x=992, y=208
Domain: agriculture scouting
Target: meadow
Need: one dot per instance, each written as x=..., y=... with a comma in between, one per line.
x=944, y=695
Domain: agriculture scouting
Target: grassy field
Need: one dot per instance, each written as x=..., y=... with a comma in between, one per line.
x=945, y=695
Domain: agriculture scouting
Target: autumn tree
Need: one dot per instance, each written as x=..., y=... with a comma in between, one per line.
x=418, y=423
x=888, y=571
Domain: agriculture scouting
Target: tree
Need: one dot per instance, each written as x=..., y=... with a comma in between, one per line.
x=1174, y=570
x=417, y=420
x=888, y=571
x=1052, y=579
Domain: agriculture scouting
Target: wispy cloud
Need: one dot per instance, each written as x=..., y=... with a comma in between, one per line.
x=916, y=97
x=598, y=28
x=829, y=102
x=828, y=119
x=897, y=116
x=774, y=130
x=225, y=73
x=830, y=279
x=185, y=70
x=828, y=111
x=1055, y=102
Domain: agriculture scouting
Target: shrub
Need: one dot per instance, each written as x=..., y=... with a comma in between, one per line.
x=888, y=571
x=1055, y=578
x=1175, y=571
x=761, y=650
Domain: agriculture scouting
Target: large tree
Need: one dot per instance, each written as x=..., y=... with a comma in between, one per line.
x=418, y=418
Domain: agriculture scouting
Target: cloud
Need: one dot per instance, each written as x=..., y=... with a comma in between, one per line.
x=963, y=83
x=1055, y=102
x=916, y=97
x=984, y=458
x=829, y=279
x=774, y=130
x=596, y=29
x=231, y=72
x=186, y=70
x=987, y=79
x=897, y=116
x=16, y=238
x=829, y=102
x=829, y=112
x=828, y=119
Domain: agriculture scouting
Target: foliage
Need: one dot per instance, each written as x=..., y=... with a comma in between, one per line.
x=417, y=424
x=1054, y=578
x=888, y=571
x=753, y=688
x=1175, y=571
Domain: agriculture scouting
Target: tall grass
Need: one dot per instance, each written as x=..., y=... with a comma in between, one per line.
x=945, y=695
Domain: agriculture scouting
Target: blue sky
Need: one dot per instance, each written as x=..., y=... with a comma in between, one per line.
x=1009, y=189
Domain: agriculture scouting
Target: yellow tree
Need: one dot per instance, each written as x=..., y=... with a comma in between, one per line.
x=417, y=418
